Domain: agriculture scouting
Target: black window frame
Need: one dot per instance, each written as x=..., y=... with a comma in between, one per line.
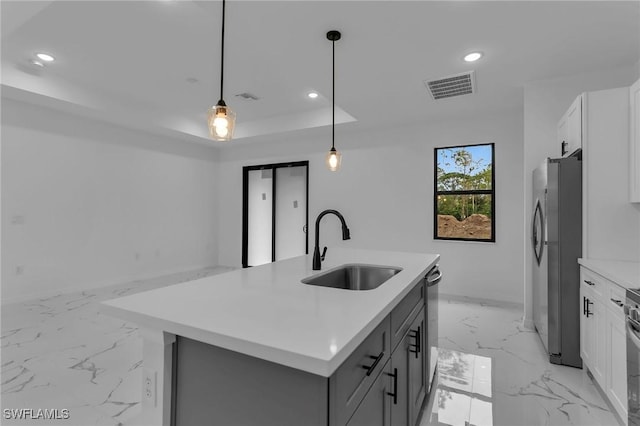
x=491, y=192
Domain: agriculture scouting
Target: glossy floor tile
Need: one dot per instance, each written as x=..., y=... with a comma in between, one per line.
x=493, y=371
x=62, y=353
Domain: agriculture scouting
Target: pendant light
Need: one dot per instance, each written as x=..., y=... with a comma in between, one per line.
x=334, y=157
x=220, y=118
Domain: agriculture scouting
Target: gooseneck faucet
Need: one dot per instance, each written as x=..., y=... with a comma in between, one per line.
x=317, y=258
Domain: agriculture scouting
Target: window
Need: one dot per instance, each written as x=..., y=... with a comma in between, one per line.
x=464, y=195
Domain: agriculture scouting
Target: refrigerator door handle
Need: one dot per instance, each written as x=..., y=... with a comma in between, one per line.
x=537, y=227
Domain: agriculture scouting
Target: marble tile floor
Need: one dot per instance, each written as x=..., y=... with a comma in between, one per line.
x=62, y=353
x=493, y=371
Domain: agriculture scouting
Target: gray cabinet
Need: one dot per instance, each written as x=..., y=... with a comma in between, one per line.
x=375, y=409
x=215, y=386
x=400, y=372
x=351, y=381
x=383, y=382
x=417, y=374
x=409, y=364
x=399, y=392
x=403, y=313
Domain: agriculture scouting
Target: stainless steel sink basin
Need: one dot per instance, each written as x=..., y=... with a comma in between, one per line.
x=353, y=277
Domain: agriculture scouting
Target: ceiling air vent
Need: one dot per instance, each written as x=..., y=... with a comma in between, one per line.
x=247, y=96
x=454, y=85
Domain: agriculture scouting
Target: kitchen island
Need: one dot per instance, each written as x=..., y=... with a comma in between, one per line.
x=259, y=340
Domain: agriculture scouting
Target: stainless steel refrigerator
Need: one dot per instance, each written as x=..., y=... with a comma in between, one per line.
x=556, y=236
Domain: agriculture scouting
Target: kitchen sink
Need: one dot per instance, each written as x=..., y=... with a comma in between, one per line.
x=353, y=277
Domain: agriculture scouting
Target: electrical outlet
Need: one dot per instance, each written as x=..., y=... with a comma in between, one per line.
x=149, y=385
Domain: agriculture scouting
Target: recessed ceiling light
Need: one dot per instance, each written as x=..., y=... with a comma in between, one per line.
x=312, y=95
x=45, y=57
x=472, y=57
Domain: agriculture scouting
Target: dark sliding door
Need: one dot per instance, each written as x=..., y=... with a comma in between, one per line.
x=275, y=212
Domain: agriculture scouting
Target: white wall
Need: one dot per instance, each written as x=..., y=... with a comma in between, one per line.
x=385, y=192
x=544, y=103
x=85, y=204
x=611, y=228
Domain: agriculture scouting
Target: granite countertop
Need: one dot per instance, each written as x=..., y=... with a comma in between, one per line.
x=624, y=273
x=266, y=312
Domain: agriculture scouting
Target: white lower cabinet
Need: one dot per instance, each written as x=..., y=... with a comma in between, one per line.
x=617, y=365
x=602, y=337
x=592, y=328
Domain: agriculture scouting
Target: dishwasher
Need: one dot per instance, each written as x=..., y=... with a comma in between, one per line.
x=432, y=279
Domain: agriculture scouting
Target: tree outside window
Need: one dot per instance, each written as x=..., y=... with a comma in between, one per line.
x=464, y=196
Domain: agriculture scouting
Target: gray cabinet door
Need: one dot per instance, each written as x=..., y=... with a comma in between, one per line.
x=400, y=366
x=409, y=363
x=375, y=408
x=351, y=381
x=417, y=367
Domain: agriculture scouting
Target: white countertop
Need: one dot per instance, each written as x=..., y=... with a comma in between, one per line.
x=625, y=274
x=266, y=312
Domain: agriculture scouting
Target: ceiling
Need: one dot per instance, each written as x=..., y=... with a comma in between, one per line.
x=155, y=65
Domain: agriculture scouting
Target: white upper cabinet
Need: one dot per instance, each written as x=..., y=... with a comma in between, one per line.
x=570, y=129
x=634, y=143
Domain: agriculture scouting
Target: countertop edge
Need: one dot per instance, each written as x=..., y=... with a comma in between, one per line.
x=257, y=350
x=611, y=270
x=310, y=364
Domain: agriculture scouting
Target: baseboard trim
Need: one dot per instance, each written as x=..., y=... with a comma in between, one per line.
x=481, y=301
x=528, y=324
x=102, y=284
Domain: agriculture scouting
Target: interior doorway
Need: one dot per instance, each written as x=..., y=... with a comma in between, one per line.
x=275, y=212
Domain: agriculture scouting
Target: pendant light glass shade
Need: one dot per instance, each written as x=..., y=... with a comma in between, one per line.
x=221, y=120
x=334, y=160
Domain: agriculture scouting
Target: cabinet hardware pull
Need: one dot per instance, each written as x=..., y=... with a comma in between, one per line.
x=394, y=394
x=589, y=282
x=372, y=367
x=617, y=302
x=589, y=313
x=584, y=305
x=415, y=348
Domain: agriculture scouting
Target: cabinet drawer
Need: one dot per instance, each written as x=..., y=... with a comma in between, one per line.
x=350, y=383
x=594, y=282
x=615, y=299
x=403, y=313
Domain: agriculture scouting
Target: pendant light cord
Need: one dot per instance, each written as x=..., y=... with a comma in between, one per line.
x=333, y=97
x=222, y=52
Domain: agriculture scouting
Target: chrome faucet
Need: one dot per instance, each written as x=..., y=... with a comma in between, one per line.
x=317, y=258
